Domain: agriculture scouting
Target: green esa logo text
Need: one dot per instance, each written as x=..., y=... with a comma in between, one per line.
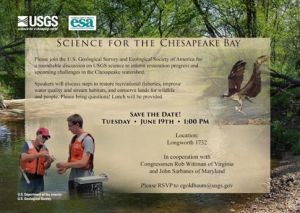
x=82, y=22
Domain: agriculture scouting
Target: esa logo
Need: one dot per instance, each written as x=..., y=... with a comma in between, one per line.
x=82, y=22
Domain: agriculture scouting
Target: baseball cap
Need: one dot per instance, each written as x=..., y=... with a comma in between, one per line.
x=44, y=131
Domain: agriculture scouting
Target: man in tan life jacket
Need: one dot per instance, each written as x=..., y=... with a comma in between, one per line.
x=34, y=160
x=81, y=152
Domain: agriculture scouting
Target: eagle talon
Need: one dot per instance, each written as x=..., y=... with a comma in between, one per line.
x=239, y=109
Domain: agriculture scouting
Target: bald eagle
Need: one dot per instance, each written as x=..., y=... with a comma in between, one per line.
x=235, y=79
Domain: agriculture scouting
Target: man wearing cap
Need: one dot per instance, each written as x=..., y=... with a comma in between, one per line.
x=81, y=153
x=35, y=159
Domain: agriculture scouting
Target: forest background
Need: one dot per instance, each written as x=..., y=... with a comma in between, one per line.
x=278, y=20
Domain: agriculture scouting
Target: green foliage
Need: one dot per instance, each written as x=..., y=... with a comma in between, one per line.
x=281, y=100
x=289, y=115
x=12, y=87
x=12, y=83
x=283, y=138
x=296, y=149
x=297, y=65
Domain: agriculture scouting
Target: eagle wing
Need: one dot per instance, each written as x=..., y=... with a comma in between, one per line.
x=253, y=87
x=236, y=77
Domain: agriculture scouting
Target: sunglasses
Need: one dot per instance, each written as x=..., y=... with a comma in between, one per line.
x=46, y=137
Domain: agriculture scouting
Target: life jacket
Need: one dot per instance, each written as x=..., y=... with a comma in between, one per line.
x=76, y=150
x=35, y=166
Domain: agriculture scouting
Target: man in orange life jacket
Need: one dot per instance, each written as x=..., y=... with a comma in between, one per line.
x=35, y=159
x=81, y=152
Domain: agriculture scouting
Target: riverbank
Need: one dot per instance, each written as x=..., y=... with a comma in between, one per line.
x=284, y=193
x=15, y=110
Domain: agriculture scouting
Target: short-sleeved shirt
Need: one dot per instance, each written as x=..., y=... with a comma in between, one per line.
x=25, y=150
x=88, y=147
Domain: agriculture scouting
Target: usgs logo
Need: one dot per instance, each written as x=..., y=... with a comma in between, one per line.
x=37, y=21
x=82, y=22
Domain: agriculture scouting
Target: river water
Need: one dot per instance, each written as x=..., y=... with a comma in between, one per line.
x=11, y=140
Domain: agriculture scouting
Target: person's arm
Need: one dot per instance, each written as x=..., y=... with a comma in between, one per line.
x=78, y=164
x=29, y=157
x=47, y=164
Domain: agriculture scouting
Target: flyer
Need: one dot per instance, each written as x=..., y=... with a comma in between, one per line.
x=139, y=98
x=172, y=120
